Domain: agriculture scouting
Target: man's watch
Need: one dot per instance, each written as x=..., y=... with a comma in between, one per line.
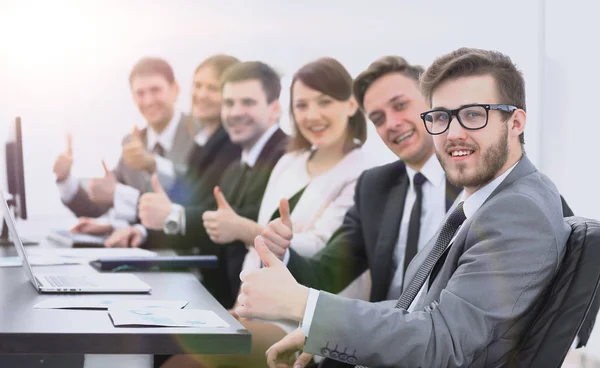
x=172, y=224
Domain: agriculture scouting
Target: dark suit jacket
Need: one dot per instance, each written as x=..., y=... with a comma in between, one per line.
x=367, y=237
x=245, y=196
x=205, y=168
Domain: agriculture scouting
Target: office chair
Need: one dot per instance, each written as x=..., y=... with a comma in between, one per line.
x=570, y=305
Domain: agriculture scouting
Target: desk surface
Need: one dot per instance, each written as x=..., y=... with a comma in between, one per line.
x=24, y=330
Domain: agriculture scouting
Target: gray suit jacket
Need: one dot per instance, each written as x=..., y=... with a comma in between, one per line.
x=183, y=143
x=482, y=299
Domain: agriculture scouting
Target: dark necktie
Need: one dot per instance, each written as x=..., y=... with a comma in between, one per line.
x=237, y=188
x=412, y=240
x=456, y=218
x=159, y=150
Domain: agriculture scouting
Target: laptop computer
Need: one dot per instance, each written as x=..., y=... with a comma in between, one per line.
x=72, y=283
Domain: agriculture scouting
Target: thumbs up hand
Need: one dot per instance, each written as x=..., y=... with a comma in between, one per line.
x=135, y=154
x=271, y=292
x=278, y=233
x=222, y=225
x=154, y=207
x=64, y=162
x=102, y=190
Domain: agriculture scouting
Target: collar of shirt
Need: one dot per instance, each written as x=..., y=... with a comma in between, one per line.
x=201, y=137
x=472, y=204
x=166, y=137
x=432, y=170
x=250, y=156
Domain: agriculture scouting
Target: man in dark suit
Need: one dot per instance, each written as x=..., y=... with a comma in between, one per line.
x=249, y=113
x=162, y=147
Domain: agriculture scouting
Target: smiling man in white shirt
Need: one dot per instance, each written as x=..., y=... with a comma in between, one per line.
x=162, y=148
x=474, y=289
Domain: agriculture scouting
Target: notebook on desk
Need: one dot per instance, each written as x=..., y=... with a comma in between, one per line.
x=69, y=283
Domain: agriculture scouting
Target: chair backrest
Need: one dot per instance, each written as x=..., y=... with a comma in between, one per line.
x=570, y=305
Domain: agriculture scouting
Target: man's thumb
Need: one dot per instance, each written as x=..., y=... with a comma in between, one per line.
x=156, y=185
x=284, y=212
x=69, y=145
x=266, y=256
x=136, y=132
x=221, y=201
x=106, y=170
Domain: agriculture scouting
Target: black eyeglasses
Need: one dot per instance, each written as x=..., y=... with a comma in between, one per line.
x=471, y=117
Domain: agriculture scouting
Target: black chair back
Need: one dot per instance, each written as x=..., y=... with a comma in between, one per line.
x=570, y=305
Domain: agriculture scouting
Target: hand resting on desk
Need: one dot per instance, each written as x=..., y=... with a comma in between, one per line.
x=124, y=237
x=91, y=226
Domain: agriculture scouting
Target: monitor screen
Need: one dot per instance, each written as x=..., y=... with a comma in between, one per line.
x=15, y=170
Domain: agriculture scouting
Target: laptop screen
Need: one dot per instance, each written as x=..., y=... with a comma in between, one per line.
x=12, y=230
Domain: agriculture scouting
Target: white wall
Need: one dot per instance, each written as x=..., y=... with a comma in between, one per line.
x=570, y=97
x=571, y=128
x=64, y=64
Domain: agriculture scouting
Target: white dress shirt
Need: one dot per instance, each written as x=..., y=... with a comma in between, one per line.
x=470, y=206
x=433, y=210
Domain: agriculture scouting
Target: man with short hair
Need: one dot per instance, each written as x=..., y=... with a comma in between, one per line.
x=471, y=293
x=249, y=113
x=162, y=148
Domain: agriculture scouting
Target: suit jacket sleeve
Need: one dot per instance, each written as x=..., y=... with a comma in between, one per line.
x=341, y=261
x=82, y=206
x=510, y=256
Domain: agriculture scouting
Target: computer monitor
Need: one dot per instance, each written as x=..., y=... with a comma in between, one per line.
x=15, y=176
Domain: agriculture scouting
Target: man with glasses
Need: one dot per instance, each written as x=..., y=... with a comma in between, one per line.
x=471, y=294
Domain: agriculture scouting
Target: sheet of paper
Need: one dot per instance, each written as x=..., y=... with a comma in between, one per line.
x=132, y=317
x=91, y=253
x=106, y=303
x=38, y=261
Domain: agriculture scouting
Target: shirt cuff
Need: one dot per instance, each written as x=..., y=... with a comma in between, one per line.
x=181, y=211
x=165, y=170
x=68, y=188
x=125, y=203
x=116, y=222
x=142, y=230
x=286, y=257
x=309, y=312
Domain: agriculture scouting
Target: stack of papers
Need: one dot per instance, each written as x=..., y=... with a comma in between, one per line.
x=140, y=312
x=133, y=317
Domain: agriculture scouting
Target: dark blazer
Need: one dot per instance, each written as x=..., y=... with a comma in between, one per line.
x=244, y=192
x=367, y=237
x=183, y=142
x=205, y=168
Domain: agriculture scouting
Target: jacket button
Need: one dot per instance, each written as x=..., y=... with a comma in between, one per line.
x=325, y=352
x=351, y=360
x=344, y=357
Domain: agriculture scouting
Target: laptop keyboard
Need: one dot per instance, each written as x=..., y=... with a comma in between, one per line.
x=69, y=281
